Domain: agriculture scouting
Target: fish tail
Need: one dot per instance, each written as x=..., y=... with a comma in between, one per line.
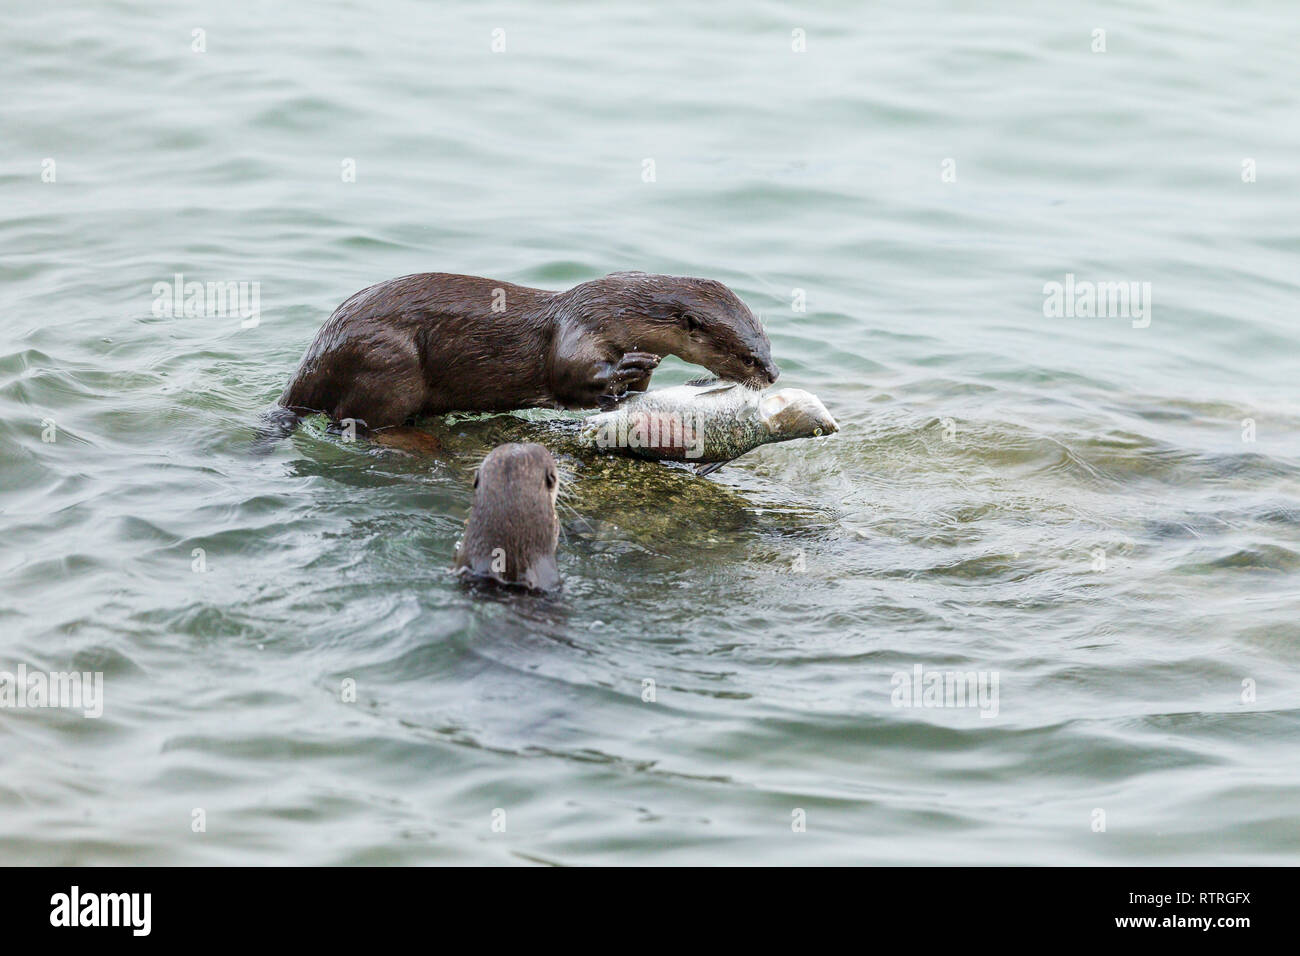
x=277, y=422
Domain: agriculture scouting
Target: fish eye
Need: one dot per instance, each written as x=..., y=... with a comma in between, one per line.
x=817, y=430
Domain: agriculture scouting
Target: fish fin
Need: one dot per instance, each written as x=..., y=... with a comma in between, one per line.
x=711, y=467
x=710, y=385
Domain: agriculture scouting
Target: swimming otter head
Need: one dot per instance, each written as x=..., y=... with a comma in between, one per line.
x=699, y=320
x=512, y=530
x=794, y=413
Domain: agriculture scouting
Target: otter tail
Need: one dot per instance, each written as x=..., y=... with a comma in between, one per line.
x=277, y=422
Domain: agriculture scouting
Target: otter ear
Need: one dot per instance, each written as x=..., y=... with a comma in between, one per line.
x=690, y=321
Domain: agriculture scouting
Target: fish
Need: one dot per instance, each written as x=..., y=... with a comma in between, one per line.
x=707, y=423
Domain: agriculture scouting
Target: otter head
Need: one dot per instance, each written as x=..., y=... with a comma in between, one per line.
x=512, y=530
x=794, y=413
x=700, y=321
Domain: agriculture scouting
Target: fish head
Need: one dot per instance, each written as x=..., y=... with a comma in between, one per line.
x=794, y=413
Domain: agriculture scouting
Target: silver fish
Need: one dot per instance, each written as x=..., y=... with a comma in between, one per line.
x=706, y=423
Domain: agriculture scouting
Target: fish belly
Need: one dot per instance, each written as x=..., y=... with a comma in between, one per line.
x=669, y=435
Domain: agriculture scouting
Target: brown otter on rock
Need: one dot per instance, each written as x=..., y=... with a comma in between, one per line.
x=432, y=343
x=512, y=530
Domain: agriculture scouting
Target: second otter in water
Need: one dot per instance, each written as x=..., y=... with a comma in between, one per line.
x=512, y=530
x=432, y=343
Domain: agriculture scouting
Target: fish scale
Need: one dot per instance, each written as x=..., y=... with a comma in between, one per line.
x=706, y=423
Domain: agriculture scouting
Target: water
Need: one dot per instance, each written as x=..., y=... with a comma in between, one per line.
x=990, y=457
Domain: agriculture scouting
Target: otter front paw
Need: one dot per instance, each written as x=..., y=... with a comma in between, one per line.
x=613, y=380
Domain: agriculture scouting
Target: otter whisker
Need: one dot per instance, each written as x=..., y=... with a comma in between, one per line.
x=577, y=515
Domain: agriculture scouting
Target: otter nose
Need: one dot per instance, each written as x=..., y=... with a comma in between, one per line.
x=771, y=371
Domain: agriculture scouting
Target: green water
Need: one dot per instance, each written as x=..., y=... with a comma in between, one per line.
x=1105, y=514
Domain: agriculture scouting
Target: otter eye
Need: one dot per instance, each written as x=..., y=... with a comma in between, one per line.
x=692, y=321
x=749, y=361
x=476, y=479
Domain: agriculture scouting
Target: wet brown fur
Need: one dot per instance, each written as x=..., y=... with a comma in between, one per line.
x=431, y=343
x=512, y=530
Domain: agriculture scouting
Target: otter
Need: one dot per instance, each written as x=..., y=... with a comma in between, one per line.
x=512, y=530
x=432, y=343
